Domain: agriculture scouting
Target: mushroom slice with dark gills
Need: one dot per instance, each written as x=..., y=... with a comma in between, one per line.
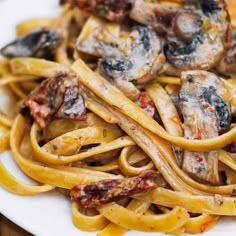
x=40, y=43
x=215, y=14
x=205, y=113
x=135, y=61
x=208, y=46
x=97, y=38
x=201, y=53
x=196, y=34
x=126, y=56
x=161, y=18
x=57, y=97
x=227, y=64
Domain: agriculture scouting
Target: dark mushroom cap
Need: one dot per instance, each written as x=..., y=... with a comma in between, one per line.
x=40, y=43
x=133, y=64
x=212, y=90
x=136, y=61
x=200, y=53
x=187, y=25
x=201, y=35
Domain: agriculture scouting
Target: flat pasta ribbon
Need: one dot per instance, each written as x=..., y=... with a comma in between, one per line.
x=114, y=97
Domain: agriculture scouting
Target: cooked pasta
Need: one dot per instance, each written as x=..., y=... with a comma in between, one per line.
x=129, y=109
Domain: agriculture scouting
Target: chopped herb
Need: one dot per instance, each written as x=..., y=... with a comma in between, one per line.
x=92, y=204
x=206, y=26
x=55, y=147
x=200, y=168
x=233, y=193
x=83, y=211
x=134, y=81
x=190, y=78
x=40, y=133
x=104, y=133
x=83, y=197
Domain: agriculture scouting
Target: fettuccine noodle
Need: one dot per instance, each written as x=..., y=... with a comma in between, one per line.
x=90, y=106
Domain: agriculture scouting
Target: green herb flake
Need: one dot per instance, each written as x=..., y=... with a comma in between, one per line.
x=206, y=26
x=40, y=133
x=233, y=193
x=55, y=147
x=104, y=133
x=190, y=78
x=134, y=81
x=83, y=211
x=200, y=168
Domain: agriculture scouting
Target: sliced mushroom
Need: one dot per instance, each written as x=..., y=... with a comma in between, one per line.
x=156, y=15
x=222, y=108
x=40, y=43
x=217, y=11
x=171, y=70
x=200, y=53
x=97, y=38
x=128, y=88
x=205, y=114
x=215, y=93
x=137, y=61
x=208, y=46
x=187, y=25
x=128, y=58
x=227, y=64
x=168, y=20
x=196, y=34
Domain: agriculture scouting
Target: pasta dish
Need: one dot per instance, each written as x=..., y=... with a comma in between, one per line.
x=128, y=108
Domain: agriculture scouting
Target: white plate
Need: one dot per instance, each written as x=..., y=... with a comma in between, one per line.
x=49, y=214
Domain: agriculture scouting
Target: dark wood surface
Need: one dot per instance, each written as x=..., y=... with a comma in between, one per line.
x=7, y=228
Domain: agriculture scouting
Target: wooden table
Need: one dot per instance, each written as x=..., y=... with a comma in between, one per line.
x=7, y=228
